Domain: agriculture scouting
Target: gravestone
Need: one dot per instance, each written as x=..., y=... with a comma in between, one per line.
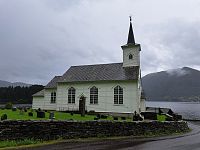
x=40, y=114
x=30, y=114
x=14, y=109
x=51, y=115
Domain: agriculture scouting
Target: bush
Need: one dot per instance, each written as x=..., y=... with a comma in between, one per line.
x=123, y=118
x=95, y=118
x=8, y=105
x=4, y=117
x=115, y=118
x=104, y=117
x=161, y=117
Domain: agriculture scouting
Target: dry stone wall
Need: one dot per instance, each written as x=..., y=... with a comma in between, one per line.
x=48, y=130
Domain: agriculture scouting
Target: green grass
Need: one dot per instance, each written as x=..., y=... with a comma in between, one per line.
x=161, y=117
x=16, y=115
x=14, y=143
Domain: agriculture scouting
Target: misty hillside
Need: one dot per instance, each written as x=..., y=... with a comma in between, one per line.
x=181, y=84
x=7, y=84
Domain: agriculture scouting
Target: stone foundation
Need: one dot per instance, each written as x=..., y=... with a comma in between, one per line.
x=49, y=130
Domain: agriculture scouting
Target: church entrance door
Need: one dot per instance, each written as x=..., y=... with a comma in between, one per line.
x=82, y=105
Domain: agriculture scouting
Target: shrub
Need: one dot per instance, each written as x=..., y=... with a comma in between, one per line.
x=123, y=118
x=8, y=105
x=4, y=117
x=104, y=117
x=115, y=118
x=31, y=110
x=161, y=117
x=95, y=118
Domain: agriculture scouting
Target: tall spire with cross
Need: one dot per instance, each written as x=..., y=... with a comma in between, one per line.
x=131, y=50
x=131, y=39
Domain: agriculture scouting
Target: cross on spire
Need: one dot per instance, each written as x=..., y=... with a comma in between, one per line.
x=131, y=39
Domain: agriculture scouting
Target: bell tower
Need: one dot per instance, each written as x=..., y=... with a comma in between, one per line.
x=131, y=51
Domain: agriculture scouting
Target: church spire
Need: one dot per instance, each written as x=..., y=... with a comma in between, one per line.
x=131, y=39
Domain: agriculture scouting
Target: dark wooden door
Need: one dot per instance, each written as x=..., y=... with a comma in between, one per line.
x=82, y=106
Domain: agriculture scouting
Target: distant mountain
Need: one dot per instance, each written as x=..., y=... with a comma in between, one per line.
x=7, y=84
x=181, y=84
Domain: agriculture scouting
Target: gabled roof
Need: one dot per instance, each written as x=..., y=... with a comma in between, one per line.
x=100, y=72
x=53, y=82
x=39, y=94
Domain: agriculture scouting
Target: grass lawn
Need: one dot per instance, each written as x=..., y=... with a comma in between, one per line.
x=17, y=115
x=14, y=143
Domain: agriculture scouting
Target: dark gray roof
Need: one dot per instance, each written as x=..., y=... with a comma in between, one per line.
x=39, y=94
x=53, y=82
x=131, y=39
x=101, y=72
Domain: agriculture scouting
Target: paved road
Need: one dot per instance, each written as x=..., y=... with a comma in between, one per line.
x=190, y=141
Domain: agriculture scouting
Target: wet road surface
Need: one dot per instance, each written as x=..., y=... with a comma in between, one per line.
x=190, y=142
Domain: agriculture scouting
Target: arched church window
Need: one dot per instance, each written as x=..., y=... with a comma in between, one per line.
x=71, y=95
x=93, y=95
x=118, y=95
x=130, y=56
x=53, y=97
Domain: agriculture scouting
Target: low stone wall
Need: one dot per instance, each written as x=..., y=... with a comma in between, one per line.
x=48, y=130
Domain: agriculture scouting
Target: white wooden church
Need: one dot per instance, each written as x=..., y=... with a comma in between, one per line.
x=106, y=88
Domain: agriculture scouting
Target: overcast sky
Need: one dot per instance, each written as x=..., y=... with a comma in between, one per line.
x=43, y=38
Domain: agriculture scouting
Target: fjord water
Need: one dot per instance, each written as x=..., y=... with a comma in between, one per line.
x=189, y=110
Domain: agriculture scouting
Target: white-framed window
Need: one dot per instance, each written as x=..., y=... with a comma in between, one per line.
x=93, y=95
x=53, y=97
x=118, y=95
x=71, y=95
x=130, y=56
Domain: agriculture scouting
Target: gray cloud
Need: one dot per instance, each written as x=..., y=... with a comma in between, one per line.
x=176, y=44
x=178, y=72
x=43, y=38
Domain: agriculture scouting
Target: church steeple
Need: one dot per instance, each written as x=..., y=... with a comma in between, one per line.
x=131, y=50
x=131, y=39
